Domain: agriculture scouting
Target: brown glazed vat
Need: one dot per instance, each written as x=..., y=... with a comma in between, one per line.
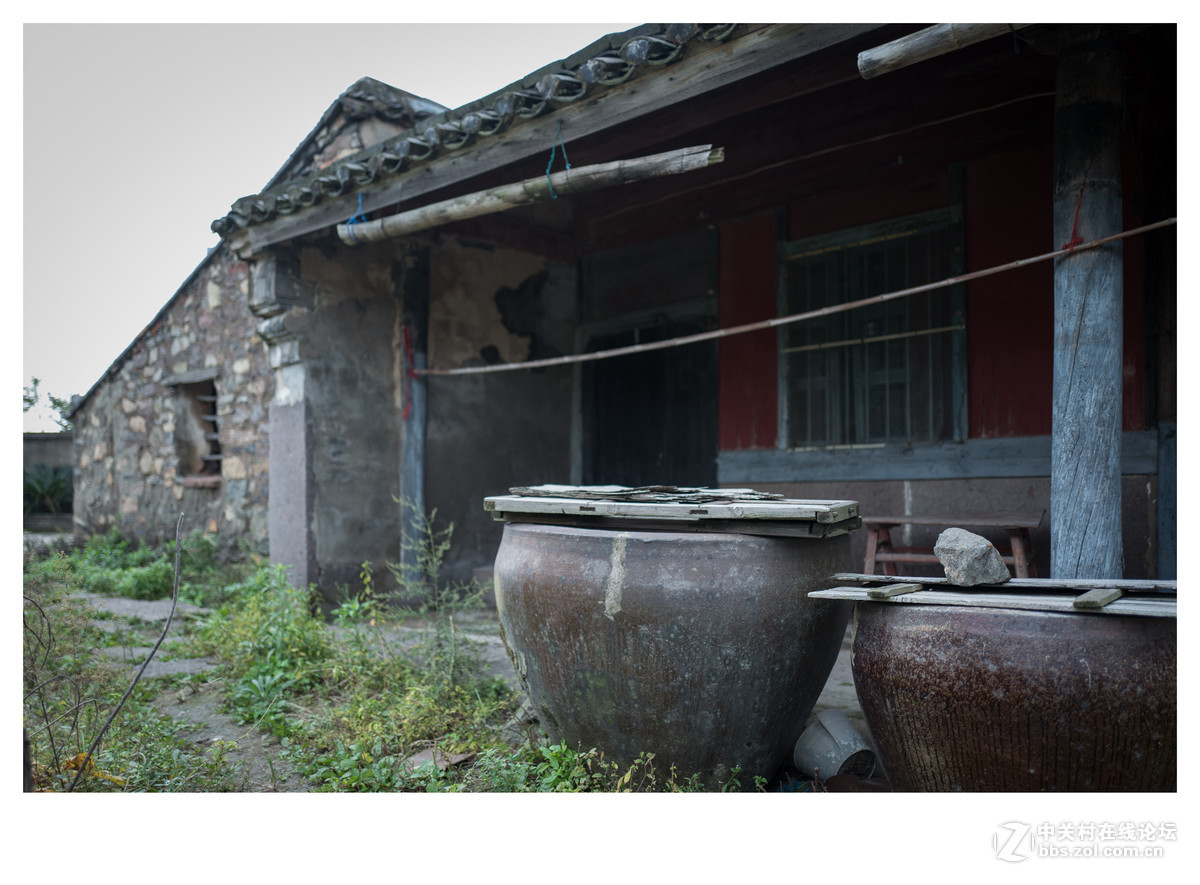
x=987, y=699
x=699, y=647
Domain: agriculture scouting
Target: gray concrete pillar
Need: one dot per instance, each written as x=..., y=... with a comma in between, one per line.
x=291, y=489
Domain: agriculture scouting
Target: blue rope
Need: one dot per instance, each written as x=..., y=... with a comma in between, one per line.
x=558, y=140
x=355, y=220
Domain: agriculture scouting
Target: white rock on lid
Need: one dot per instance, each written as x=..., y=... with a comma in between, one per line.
x=969, y=559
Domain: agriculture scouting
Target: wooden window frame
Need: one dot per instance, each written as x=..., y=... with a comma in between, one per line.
x=851, y=395
x=196, y=392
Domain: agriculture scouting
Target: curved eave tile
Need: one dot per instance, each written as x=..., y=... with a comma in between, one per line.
x=602, y=65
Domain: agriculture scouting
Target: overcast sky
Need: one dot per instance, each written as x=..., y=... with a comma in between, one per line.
x=137, y=136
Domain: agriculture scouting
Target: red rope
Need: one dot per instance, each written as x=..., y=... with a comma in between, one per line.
x=1075, y=238
x=410, y=374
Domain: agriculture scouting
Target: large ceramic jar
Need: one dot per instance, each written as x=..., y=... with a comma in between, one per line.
x=699, y=647
x=975, y=698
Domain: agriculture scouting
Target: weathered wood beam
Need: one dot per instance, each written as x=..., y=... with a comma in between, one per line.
x=924, y=45
x=1085, y=451
x=532, y=190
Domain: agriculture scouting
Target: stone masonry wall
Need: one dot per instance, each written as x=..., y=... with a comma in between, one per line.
x=127, y=462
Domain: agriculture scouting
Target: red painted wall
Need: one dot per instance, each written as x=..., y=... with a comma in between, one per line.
x=1010, y=316
x=749, y=383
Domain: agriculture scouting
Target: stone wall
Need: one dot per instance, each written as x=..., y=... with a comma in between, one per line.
x=128, y=449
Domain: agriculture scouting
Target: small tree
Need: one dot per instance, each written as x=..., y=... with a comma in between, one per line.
x=62, y=407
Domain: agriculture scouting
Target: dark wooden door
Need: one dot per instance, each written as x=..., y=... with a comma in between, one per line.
x=653, y=416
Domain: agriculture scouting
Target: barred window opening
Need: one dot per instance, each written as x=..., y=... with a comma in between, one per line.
x=197, y=437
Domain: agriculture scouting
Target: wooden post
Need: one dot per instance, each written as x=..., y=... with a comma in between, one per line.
x=1085, y=456
x=412, y=280
x=1165, y=540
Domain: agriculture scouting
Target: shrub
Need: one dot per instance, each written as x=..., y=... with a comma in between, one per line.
x=113, y=563
x=49, y=489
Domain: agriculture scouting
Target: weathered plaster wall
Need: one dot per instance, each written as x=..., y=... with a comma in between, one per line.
x=127, y=470
x=344, y=309
x=351, y=347
x=486, y=433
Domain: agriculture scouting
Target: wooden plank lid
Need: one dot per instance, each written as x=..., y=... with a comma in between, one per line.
x=743, y=510
x=1147, y=599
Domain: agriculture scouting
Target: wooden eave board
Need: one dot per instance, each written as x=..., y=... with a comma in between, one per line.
x=817, y=511
x=1139, y=607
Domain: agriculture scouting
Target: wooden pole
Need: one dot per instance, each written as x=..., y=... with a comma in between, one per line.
x=924, y=45
x=1085, y=451
x=413, y=281
x=531, y=190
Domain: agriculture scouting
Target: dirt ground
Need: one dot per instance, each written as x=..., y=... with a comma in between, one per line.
x=197, y=704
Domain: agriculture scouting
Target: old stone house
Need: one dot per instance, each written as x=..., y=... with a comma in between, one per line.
x=177, y=423
x=180, y=420
x=387, y=358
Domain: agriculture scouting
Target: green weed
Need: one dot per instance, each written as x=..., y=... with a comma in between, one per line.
x=272, y=645
x=114, y=564
x=449, y=658
x=69, y=692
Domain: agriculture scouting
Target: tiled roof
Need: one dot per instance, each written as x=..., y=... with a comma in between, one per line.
x=366, y=98
x=608, y=62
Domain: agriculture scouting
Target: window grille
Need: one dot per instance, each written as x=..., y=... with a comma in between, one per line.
x=886, y=373
x=197, y=434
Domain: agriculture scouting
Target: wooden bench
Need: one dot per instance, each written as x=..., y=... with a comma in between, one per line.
x=880, y=551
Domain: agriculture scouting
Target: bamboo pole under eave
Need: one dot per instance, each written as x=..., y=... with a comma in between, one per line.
x=924, y=45
x=498, y=199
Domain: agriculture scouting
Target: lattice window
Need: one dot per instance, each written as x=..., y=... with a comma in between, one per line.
x=886, y=373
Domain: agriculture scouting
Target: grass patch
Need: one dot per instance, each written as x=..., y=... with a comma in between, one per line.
x=352, y=702
x=115, y=565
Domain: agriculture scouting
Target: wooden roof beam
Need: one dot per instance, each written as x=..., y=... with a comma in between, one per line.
x=924, y=45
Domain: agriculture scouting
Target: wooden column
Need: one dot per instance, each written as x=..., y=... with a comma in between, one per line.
x=413, y=283
x=1085, y=471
